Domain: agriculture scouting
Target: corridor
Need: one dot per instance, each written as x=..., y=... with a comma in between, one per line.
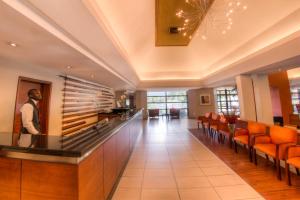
x=168, y=163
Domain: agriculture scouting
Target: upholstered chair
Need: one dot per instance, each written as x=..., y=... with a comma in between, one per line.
x=224, y=131
x=204, y=121
x=244, y=136
x=214, y=124
x=275, y=144
x=292, y=158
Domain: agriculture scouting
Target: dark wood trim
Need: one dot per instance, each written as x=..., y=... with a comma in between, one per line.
x=80, y=118
x=73, y=125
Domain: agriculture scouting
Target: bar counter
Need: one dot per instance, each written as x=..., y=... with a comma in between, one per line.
x=83, y=166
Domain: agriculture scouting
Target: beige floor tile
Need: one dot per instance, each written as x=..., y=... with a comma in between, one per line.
x=199, y=194
x=226, y=180
x=186, y=164
x=127, y=194
x=188, y=172
x=130, y=182
x=237, y=192
x=221, y=170
x=133, y=172
x=159, y=183
x=158, y=172
x=158, y=165
x=160, y=194
x=210, y=163
x=192, y=182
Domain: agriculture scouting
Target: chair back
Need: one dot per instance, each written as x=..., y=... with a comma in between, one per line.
x=223, y=125
x=215, y=116
x=257, y=128
x=208, y=115
x=281, y=135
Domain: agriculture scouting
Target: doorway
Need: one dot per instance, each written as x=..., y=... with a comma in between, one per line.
x=24, y=85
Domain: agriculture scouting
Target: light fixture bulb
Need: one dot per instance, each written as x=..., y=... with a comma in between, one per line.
x=245, y=7
x=12, y=44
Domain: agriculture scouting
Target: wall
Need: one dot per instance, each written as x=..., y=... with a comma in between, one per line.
x=246, y=97
x=195, y=109
x=263, y=99
x=280, y=80
x=9, y=75
x=141, y=101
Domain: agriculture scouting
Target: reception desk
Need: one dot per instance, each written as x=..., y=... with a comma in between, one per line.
x=85, y=166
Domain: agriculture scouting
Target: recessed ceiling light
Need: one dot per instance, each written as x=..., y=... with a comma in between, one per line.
x=245, y=7
x=92, y=76
x=203, y=37
x=12, y=44
x=69, y=67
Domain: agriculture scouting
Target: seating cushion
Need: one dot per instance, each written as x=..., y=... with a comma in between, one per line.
x=206, y=124
x=215, y=127
x=226, y=133
x=294, y=161
x=270, y=149
x=242, y=139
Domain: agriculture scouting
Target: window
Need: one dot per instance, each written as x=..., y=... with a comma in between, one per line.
x=227, y=100
x=166, y=100
x=295, y=94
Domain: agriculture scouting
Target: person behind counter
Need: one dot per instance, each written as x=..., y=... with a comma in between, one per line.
x=30, y=115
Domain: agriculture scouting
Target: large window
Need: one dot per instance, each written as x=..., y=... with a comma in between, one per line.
x=166, y=100
x=227, y=100
x=295, y=94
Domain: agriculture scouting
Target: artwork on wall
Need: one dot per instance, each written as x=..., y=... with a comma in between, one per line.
x=205, y=99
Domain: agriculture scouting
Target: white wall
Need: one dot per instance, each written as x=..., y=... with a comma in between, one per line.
x=9, y=74
x=195, y=109
x=246, y=97
x=263, y=99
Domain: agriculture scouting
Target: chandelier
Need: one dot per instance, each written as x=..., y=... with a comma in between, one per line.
x=219, y=18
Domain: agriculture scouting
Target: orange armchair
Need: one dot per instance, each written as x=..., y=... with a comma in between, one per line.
x=214, y=124
x=204, y=120
x=224, y=131
x=292, y=158
x=275, y=145
x=244, y=136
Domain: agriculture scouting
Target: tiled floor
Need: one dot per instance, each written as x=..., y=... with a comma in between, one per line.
x=168, y=163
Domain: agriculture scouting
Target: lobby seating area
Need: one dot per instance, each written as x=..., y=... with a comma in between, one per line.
x=275, y=143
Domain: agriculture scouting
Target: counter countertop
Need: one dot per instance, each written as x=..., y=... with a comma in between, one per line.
x=68, y=149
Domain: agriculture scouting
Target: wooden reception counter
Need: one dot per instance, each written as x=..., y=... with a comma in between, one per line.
x=85, y=166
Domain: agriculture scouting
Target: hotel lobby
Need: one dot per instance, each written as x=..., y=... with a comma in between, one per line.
x=150, y=100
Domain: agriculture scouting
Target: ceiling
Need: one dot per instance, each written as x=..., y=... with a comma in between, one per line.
x=115, y=40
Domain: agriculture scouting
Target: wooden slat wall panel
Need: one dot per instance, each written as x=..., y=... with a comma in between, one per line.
x=82, y=102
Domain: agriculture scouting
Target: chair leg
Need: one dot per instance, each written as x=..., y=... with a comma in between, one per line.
x=278, y=169
x=267, y=159
x=235, y=146
x=250, y=154
x=288, y=174
x=198, y=125
x=298, y=173
x=255, y=156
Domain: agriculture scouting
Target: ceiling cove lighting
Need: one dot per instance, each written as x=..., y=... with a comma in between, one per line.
x=221, y=19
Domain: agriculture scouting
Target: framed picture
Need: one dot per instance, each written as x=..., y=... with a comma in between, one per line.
x=205, y=99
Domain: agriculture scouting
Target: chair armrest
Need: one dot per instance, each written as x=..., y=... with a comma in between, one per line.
x=261, y=139
x=293, y=151
x=252, y=138
x=240, y=131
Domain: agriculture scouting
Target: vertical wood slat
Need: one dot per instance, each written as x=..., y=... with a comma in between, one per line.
x=82, y=101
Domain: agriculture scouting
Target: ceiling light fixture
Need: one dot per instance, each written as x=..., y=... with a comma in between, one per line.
x=12, y=44
x=192, y=18
x=69, y=67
